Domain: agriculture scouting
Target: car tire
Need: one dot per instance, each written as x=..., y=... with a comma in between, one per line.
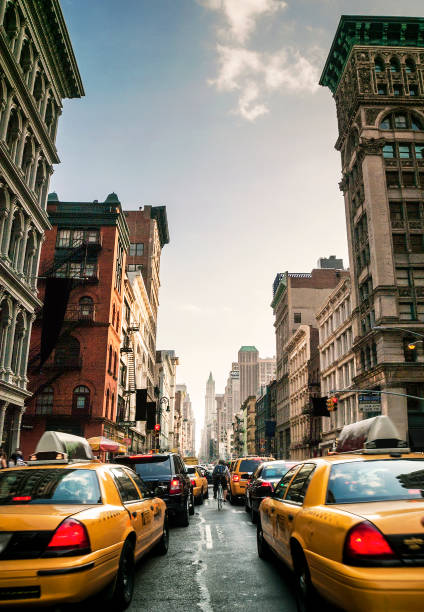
x=232, y=501
x=183, y=517
x=162, y=546
x=125, y=578
x=207, y=493
x=253, y=516
x=264, y=551
x=246, y=504
x=304, y=590
x=200, y=500
x=191, y=505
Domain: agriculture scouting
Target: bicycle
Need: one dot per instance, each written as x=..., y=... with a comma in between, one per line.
x=220, y=496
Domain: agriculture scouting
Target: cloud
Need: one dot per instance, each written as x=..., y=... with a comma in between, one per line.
x=255, y=75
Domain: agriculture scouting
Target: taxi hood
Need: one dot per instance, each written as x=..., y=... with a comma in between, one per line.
x=391, y=517
x=37, y=517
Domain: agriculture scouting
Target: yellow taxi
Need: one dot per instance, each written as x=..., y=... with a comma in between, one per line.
x=71, y=526
x=199, y=483
x=350, y=525
x=241, y=472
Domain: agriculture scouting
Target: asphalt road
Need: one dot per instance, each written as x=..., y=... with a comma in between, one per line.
x=212, y=565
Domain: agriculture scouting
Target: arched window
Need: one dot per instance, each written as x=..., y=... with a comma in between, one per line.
x=44, y=401
x=379, y=65
x=402, y=121
x=10, y=22
x=25, y=59
x=67, y=353
x=117, y=321
x=81, y=398
x=28, y=157
x=107, y=404
x=410, y=65
x=86, y=309
x=112, y=406
x=15, y=239
x=394, y=65
x=12, y=129
x=29, y=254
x=38, y=88
x=4, y=324
x=109, y=368
x=113, y=315
x=115, y=363
x=17, y=344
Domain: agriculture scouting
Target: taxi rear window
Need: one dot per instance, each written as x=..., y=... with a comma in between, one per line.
x=190, y=470
x=276, y=471
x=249, y=465
x=377, y=480
x=49, y=486
x=152, y=466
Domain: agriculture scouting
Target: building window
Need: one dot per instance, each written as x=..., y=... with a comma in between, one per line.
x=396, y=211
x=413, y=90
x=379, y=65
x=406, y=311
x=86, y=308
x=392, y=179
x=408, y=179
x=416, y=242
x=399, y=243
x=119, y=264
x=403, y=278
x=67, y=353
x=109, y=368
x=389, y=151
x=382, y=89
x=394, y=65
x=63, y=238
x=413, y=210
x=44, y=401
x=404, y=151
x=397, y=90
x=76, y=237
x=409, y=66
x=297, y=317
x=81, y=398
x=401, y=121
x=136, y=249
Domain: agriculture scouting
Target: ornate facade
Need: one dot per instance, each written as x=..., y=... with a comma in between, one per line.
x=37, y=70
x=375, y=71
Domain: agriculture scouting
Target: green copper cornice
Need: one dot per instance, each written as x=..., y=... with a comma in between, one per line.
x=159, y=213
x=368, y=30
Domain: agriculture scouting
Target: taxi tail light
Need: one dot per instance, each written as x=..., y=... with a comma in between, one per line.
x=235, y=477
x=70, y=538
x=193, y=482
x=265, y=483
x=175, y=487
x=365, y=542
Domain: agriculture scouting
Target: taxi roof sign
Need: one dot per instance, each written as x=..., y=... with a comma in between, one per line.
x=60, y=447
x=373, y=436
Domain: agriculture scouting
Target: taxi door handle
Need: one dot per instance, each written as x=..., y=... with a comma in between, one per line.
x=290, y=517
x=134, y=514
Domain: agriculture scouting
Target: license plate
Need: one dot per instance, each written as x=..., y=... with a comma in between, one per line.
x=4, y=540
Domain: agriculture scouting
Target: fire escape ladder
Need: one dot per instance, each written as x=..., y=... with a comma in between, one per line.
x=131, y=371
x=73, y=252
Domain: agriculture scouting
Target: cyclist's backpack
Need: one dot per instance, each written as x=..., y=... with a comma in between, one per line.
x=219, y=470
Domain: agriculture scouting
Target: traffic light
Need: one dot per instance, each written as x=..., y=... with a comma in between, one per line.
x=157, y=427
x=332, y=404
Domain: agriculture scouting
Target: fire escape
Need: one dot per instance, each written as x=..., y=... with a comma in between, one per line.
x=73, y=263
x=128, y=348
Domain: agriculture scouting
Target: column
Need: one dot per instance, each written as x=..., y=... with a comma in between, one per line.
x=21, y=144
x=34, y=269
x=34, y=167
x=22, y=246
x=16, y=428
x=20, y=40
x=10, y=337
x=21, y=370
x=31, y=80
x=3, y=4
x=6, y=115
x=8, y=227
x=44, y=103
x=3, y=408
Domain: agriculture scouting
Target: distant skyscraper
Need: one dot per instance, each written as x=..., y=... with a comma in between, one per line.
x=210, y=403
x=248, y=357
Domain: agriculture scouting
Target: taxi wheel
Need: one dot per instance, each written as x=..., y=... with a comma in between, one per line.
x=264, y=550
x=124, y=584
x=207, y=493
x=232, y=500
x=183, y=517
x=304, y=589
x=246, y=504
x=253, y=516
x=191, y=506
x=163, y=544
x=200, y=500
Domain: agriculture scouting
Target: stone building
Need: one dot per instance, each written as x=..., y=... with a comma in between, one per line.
x=265, y=417
x=296, y=298
x=232, y=394
x=304, y=429
x=166, y=364
x=267, y=367
x=337, y=361
x=248, y=426
x=38, y=69
x=248, y=360
x=375, y=72
x=78, y=384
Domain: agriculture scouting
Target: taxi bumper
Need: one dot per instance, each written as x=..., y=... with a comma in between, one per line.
x=238, y=489
x=40, y=582
x=380, y=589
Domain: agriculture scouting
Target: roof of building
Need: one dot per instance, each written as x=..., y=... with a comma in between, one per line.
x=159, y=213
x=247, y=348
x=368, y=30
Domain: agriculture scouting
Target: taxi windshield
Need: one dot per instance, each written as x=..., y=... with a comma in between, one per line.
x=49, y=486
x=377, y=480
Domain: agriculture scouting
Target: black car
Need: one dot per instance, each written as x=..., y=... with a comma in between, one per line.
x=263, y=482
x=166, y=476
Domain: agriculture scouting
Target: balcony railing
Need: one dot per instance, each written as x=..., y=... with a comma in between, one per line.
x=85, y=313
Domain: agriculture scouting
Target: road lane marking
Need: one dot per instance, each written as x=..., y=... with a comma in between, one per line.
x=205, y=603
x=209, y=542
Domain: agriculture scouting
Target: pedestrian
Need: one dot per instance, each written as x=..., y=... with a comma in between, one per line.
x=16, y=458
x=221, y=474
x=3, y=459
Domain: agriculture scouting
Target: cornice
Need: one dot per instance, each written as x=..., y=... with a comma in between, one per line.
x=11, y=70
x=24, y=194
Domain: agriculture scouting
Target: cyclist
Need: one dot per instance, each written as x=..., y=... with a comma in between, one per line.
x=221, y=474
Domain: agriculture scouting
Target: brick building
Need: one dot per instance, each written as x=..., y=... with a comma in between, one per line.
x=76, y=388
x=375, y=72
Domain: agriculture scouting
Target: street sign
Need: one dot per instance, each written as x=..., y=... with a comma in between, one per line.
x=369, y=398
x=127, y=423
x=370, y=407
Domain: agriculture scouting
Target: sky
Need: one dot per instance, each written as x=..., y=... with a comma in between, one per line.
x=212, y=108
